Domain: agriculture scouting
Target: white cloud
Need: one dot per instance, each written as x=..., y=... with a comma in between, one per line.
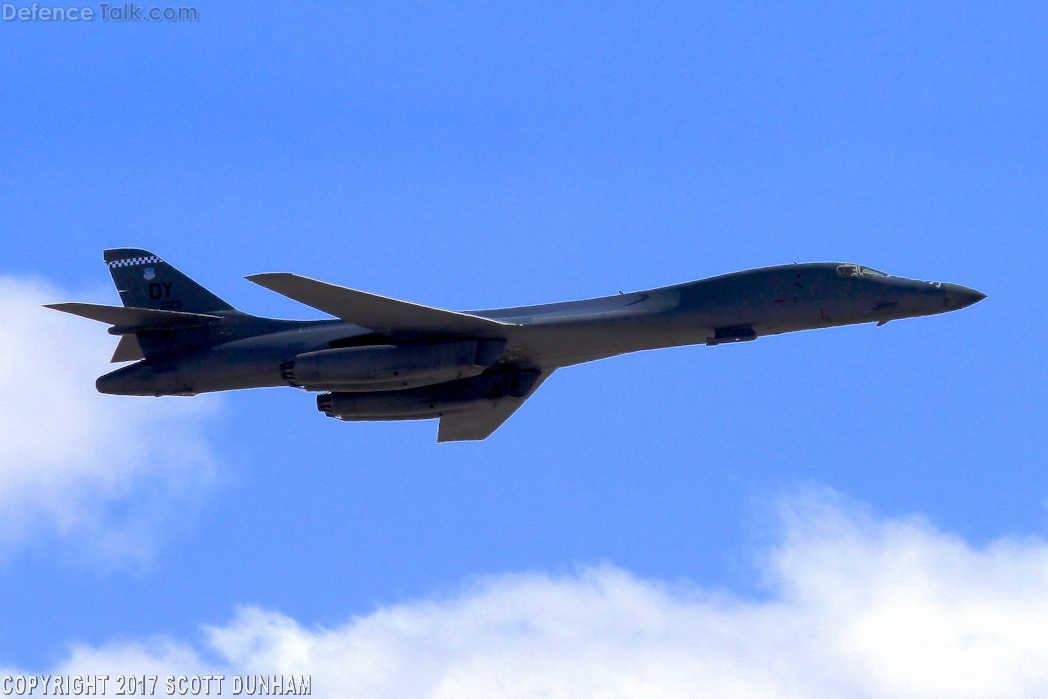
x=858, y=608
x=99, y=470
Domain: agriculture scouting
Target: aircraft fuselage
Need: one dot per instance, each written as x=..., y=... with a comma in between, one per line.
x=384, y=359
x=729, y=308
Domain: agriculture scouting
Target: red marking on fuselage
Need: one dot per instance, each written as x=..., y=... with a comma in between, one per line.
x=779, y=301
x=822, y=314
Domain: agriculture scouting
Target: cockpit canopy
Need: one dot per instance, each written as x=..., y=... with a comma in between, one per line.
x=859, y=271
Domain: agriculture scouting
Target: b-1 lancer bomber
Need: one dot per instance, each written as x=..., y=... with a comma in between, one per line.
x=384, y=359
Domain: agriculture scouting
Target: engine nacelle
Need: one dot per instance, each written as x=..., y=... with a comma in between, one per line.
x=428, y=401
x=391, y=367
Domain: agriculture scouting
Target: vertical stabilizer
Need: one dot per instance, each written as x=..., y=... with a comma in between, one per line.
x=146, y=281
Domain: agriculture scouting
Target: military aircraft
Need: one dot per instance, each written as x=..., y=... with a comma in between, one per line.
x=384, y=359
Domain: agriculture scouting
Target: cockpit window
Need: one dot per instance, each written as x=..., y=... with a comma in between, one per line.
x=857, y=270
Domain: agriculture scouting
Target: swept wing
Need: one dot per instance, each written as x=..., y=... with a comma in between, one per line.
x=381, y=314
x=480, y=422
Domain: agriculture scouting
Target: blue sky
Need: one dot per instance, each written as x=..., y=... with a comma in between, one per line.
x=471, y=156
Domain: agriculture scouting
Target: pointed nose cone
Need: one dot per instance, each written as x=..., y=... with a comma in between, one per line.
x=956, y=296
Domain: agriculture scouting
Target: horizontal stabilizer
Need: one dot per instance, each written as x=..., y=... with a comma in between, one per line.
x=380, y=314
x=480, y=422
x=128, y=350
x=136, y=319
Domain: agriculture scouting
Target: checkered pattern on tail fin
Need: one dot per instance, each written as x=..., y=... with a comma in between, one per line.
x=146, y=281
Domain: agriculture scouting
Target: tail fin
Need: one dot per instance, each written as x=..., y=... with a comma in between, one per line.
x=146, y=281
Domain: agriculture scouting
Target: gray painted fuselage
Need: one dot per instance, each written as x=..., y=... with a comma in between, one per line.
x=244, y=351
